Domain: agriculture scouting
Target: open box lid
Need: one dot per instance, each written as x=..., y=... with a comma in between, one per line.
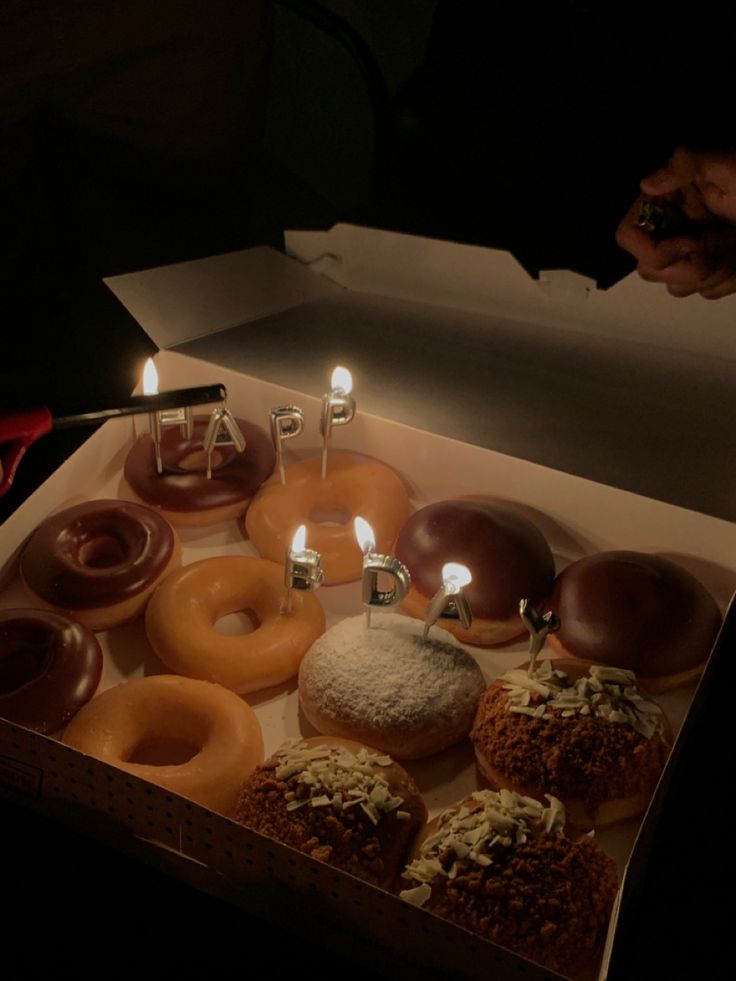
x=628, y=386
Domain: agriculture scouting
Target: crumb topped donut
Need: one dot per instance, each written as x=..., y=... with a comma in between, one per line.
x=500, y=865
x=386, y=687
x=507, y=555
x=355, y=485
x=50, y=666
x=99, y=562
x=635, y=611
x=338, y=802
x=588, y=736
x=183, y=493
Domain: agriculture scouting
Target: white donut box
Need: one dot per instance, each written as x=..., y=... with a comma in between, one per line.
x=271, y=328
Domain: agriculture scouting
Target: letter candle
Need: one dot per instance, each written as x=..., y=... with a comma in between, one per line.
x=158, y=420
x=287, y=421
x=222, y=430
x=301, y=569
x=538, y=626
x=374, y=564
x=338, y=408
x=449, y=602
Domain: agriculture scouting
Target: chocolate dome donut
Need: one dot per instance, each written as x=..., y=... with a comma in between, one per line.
x=507, y=555
x=635, y=611
x=98, y=562
x=182, y=493
x=50, y=667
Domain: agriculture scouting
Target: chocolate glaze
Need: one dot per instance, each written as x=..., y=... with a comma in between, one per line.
x=49, y=667
x=635, y=611
x=236, y=478
x=96, y=554
x=508, y=557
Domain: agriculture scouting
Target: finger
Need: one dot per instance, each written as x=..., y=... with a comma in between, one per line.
x=678, y=172
x=725, y=289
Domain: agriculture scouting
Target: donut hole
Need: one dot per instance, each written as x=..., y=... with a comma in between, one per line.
x=102, y=552
x=163, y=751
x=24, y=660
x=330, y=514
x=237, y=624
x=197, y=460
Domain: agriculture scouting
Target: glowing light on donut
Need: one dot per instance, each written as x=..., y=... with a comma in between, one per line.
x=364, y=534
x=150, y=378
x=455, y=576
x=342, y=380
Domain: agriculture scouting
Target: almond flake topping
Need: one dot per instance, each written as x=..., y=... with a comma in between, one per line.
x=496, y=819
x=331, y=776
x=608, y=693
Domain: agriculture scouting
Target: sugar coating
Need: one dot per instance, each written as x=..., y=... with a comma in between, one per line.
x=387, y=676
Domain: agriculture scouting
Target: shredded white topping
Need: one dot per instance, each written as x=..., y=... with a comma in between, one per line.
x=335, y=777
x=473, y=831
x=608, y=693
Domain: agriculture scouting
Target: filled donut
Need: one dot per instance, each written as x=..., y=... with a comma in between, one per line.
x=387, y=687
x=507, y=556
x=586, y=735
x=50, y=666
x=183, y=493
x=499, y=864
x=99, y=562
x=339, y=802
x=182, y=615
x=355, y=485
x=212, y=729
x=635, y=611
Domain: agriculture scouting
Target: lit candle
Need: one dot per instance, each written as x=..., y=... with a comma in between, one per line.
x=222, y=430
x=179, y=416
x=538, y=626
x=338, y=408
x=301, y=569
x=449, y=602
x=373, y=564
x=287, y=421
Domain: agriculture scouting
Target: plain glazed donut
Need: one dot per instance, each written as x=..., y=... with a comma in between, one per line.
x=500, y=865
x=184, y=495
x=386, y=687
x=181, y=618
x=50, y=667
x=588, y=736
x=635, y=611
x=338, y=801
x=99, y=562
x=507, y=555
x=216, y=729
x=355, y=485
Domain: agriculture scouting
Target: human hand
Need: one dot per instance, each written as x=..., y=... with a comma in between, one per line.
x=702, y=257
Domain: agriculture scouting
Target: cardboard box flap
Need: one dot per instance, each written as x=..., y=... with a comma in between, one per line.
x=179, y=302
x=490, y=281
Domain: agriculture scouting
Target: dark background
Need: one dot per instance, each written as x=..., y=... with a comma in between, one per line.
x=137, y=134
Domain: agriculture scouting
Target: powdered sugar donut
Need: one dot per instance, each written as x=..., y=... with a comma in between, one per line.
x=385, y=687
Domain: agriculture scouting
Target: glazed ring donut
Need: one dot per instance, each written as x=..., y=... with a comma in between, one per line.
x=387, y=688
x=182, y=493
x=50, y=667
x=507, y=555
x=354, y=485
x=216, y=730
x=181, y=618
x=636, y=611
x=99, y=562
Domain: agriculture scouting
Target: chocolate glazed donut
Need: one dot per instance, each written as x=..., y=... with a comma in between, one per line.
x=180, y=490
x=507, y=555
x=50, y=667
x=636, y=611
x=96, y=556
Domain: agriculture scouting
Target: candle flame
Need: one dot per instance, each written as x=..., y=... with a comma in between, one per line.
x=364, y=534
x=342, y=379
x=456, y=575
x=300, y=539
x=150, y=378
